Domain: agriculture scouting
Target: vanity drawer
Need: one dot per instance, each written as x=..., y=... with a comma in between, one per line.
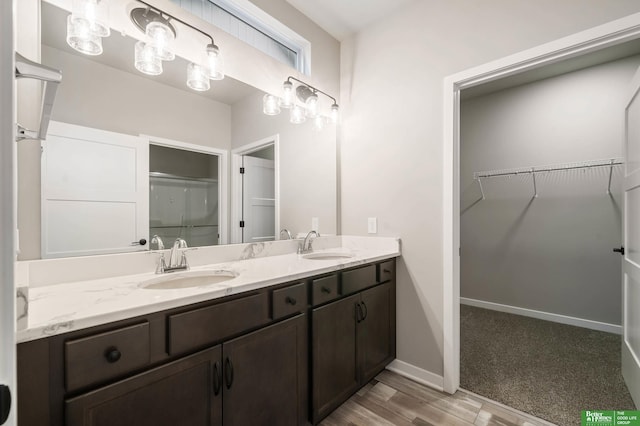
x=386, y=271
x=324, y=290
x=358, y=279
x=289, y=300
x=201, y=327
x=94, y=359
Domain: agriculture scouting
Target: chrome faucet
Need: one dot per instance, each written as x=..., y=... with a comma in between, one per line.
x=177, y=258
x=287, y=233
x=306, y=247
x=158, y=241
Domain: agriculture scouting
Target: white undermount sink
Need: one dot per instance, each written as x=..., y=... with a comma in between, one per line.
x=178, y=280
x=327, y=256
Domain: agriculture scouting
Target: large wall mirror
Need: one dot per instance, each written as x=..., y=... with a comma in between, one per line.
x=192, y=139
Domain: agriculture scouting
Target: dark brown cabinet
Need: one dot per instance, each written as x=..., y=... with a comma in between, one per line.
x=265, y=376
x=181, y=393
x=265, y=357
x=352, y=340
x=257, y=379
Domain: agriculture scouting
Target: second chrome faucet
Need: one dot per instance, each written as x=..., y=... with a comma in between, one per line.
x=177, y=258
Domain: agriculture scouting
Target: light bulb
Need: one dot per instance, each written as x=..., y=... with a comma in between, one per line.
x=270, y=105
x=162, y=38
x=146, y=60
x=287, y=95
x=312, y=106
x=197, y=77
x=95, y=13
x=296, y=115
x=335, y=113
x=214, y=62
x=318, y=123
x=81, y=38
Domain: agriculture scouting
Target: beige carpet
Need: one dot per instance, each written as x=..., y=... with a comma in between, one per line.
x=546, y=369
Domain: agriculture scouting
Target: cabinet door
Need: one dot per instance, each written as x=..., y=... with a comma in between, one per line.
x=265, y=376
x=334, y=371
x=376, y=332
x=182, y=393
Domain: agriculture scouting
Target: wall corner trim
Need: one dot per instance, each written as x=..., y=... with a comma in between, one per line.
x=417, y=374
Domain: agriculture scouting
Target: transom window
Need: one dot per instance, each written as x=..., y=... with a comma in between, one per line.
x=245, y=21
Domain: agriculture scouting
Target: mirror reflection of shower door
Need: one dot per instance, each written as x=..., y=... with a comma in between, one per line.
x=183, y=196
x=258, y=199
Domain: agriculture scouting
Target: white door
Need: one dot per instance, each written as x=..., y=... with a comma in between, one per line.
x=258, y=200
x=631, y=244
x=8, y=225
x=95, y=192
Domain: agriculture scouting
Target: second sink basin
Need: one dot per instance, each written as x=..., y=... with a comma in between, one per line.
x=177, y=280
x=327, y=256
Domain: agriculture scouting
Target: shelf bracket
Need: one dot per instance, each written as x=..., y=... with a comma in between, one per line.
x=610, y=176
x=535, y=187
x=480, y=184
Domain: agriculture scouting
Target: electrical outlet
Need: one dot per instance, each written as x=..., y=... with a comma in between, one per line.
x=372, y=225
x=315, y=223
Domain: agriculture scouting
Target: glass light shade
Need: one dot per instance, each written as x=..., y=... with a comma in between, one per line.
x=287, y=95
x=146, y=60
x=95, y=13
x=81, y=38
x=270, y=105
x=312, y=106
x=162, y=38
x=214, y=62
x=319, y=122
x=335, y=113
x=197, y=77
x=296, y=114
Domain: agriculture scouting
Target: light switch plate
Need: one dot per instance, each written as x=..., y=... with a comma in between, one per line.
x=372, y=225
x=315, y=223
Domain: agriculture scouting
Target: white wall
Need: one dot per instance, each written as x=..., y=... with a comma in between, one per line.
x=551, y=254
x=391, y=143
x=307, y=164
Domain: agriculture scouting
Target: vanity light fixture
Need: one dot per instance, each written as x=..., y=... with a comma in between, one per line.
x=161, y=33
x=87, y=24
x=305, y=94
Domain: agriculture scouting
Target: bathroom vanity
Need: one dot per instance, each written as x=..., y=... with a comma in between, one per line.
x=284, y=349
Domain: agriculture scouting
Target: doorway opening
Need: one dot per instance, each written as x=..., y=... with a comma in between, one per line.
x=574, y=47
x=255, y=189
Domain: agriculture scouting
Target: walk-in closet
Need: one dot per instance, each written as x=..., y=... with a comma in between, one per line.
x=541, y=167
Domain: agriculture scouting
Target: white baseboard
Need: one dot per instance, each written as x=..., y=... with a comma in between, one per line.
x=562, y=319
x=417, y=374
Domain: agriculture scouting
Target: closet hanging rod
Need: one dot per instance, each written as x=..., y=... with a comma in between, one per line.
x=541, y=169
x=478, y=176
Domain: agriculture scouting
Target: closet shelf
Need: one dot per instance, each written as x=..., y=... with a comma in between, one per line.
x=549, y=168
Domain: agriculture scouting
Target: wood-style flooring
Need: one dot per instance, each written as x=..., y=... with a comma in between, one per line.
x=391, y=399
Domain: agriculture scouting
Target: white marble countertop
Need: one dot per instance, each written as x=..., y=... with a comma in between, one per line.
x=64, y=307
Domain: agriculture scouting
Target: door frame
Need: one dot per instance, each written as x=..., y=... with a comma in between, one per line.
x=8, y=197
x=236, y=182
x=223, y=175
x=588, y=41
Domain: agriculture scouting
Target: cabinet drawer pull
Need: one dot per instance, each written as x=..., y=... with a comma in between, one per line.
x=386, y=271
x=112, y=354
x=217, y=378
x=228, y=373
x=326, y=290
x=366, y=312
x=290, y=300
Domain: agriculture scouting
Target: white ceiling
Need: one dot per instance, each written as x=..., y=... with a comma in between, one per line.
x=341, y=18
